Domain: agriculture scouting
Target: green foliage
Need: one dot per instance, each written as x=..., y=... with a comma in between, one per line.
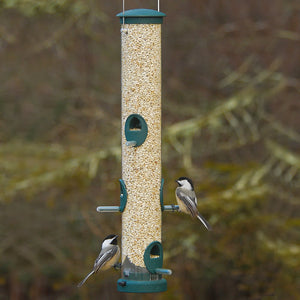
x=34, y=167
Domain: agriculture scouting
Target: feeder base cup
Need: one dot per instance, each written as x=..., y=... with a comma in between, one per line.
x=135, y=286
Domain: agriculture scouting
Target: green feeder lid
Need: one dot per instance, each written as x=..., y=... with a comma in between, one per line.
x=141, y=16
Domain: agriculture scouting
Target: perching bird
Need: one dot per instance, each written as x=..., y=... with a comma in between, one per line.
x=108, y=257
x=187, y=200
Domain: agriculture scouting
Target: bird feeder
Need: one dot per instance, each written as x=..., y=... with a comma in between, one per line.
x=141, y=184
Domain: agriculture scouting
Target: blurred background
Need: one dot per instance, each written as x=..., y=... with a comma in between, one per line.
x=231, y=74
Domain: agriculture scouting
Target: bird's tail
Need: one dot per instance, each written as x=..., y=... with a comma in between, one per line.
x=85, y=279
x=204, y=222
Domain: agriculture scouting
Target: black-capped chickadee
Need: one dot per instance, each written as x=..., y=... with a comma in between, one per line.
x=108, y=257
x=187, y=200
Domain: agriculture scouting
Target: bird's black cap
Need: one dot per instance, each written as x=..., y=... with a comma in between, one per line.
x=185, y=178
x=112, y=236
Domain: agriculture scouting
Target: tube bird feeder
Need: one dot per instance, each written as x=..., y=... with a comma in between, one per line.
x=141, y=150
x=141, y=184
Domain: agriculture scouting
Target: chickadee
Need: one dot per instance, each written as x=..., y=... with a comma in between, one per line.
x=108, y=257
x=187, y=200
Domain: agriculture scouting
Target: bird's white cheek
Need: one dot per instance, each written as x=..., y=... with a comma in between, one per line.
x=106, y=243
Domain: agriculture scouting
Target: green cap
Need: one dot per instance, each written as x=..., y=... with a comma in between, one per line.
x=141, y=16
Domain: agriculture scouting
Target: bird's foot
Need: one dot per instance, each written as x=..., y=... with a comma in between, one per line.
x=118, y=266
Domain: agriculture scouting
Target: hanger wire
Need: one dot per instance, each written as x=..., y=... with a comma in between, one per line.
x=158, y=8
x=123, y=12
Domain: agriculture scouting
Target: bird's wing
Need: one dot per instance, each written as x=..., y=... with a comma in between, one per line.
x=188, y=201
x=192, y=196
x=104, y=256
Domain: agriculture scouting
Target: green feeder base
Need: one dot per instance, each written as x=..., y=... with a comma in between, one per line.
x=135, y=286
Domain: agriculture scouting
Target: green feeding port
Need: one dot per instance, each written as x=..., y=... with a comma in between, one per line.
x=153, y=257
x=145, y=280
x=141, y=16
x=136, y=130
x=123, y=195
